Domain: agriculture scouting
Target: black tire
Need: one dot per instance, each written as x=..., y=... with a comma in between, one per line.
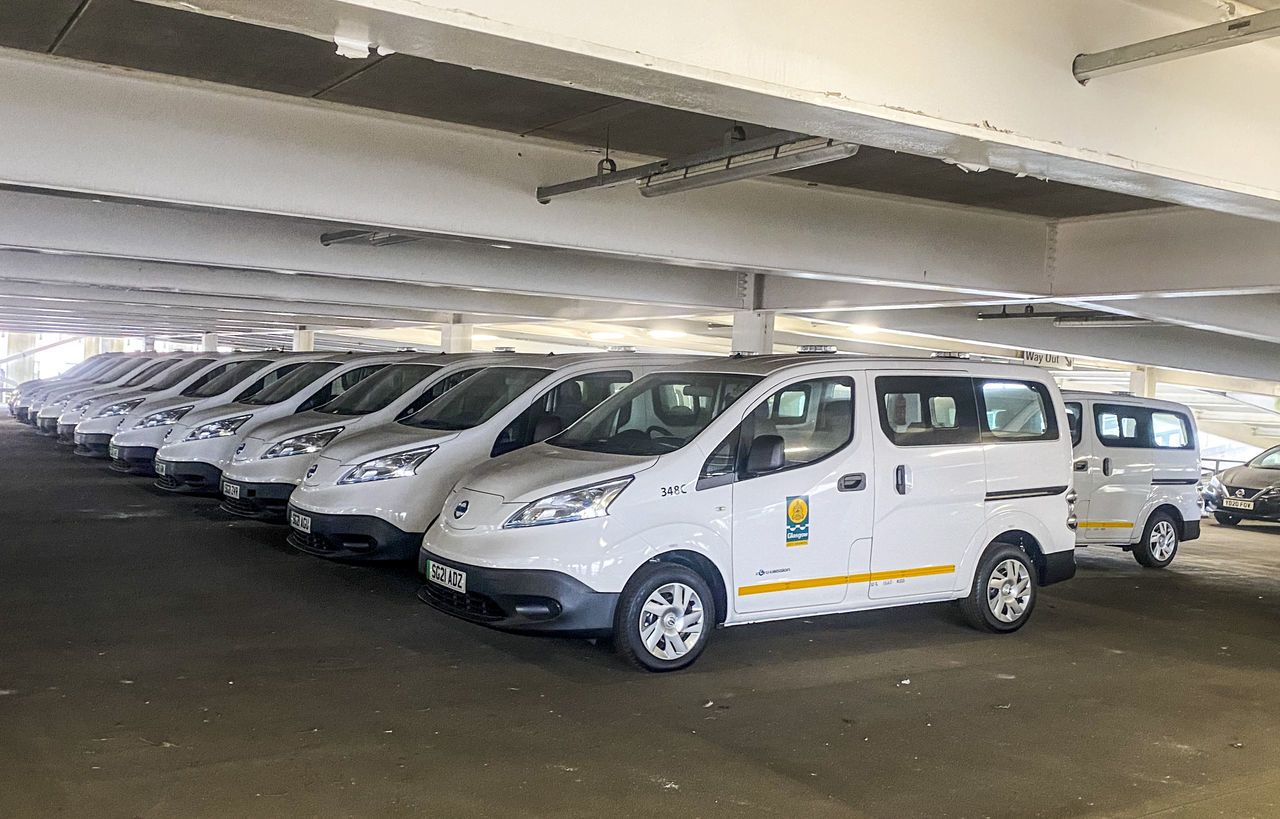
x=978, y=609
x=1145, y=553
x=1225, y=519
x=627, y=624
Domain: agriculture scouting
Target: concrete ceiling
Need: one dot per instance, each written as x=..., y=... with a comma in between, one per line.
x=152, y=38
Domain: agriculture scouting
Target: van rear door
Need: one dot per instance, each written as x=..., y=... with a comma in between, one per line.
x=930, y=481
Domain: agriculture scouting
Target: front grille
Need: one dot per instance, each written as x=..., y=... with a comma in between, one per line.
x=471, y=605
x=121, y=465
x=242, y=506
x=1248, y=494
x=169, y=482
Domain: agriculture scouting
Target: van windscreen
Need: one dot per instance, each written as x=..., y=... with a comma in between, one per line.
x=149, y=372
x=228, y=378
x=477, y=399
x=378, y=390
x=658, y=413
x=176, y=374
x=289, y=386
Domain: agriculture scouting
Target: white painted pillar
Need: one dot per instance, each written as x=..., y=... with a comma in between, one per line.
x=149, y=344
x=753, y=331
x=209, y=342
x=456, y=338
x=304, y=340
x=1142, y=382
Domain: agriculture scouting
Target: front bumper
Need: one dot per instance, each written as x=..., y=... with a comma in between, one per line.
x=1266, y=509
x=350, y=537
x=134, y=460
x=261, y=501
x=47, y=424
x=187, y=477
x=524, y=600
x=67, y=433
x=93, y=445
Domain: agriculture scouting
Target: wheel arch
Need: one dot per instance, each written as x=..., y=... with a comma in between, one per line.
x=705, y=568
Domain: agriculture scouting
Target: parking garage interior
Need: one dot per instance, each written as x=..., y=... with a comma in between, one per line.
x=1000, y=184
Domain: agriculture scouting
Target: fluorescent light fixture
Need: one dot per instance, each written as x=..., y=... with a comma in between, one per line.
x=863, y=329
x=667, y=334
x=780, y=159
x=1100, y=321
x=483, y=337
x=607, y=335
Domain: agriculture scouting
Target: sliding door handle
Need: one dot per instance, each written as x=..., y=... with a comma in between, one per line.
x=902, y=479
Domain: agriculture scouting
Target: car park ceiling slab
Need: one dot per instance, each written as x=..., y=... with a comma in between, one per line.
x=1184, y=132
x=176, y=42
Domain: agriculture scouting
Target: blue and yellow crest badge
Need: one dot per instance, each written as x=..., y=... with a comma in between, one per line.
x=798, y=520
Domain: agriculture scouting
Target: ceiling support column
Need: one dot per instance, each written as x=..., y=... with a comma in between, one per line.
x=456, y=338
x=209, y=342
x=1142, y=382
x=304, y=340
x=753, y=331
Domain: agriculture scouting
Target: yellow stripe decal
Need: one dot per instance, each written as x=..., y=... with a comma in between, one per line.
x=1105, y=524
x=844, y=579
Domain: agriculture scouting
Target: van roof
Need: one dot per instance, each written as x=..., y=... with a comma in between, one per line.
x=1123, y=398
x=770, y=364
x=556, y=361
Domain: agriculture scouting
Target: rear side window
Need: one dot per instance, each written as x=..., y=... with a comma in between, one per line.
x=1141, y=428
x=1015, y=411
x=927, y=410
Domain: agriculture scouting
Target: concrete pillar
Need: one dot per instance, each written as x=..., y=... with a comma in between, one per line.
x=149, y=344
x=304, y=340
x=456, y=338
x=209, y=342
x=753, y=331
x=1142, y=382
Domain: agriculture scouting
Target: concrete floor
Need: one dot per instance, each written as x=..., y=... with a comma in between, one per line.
x=160, y=659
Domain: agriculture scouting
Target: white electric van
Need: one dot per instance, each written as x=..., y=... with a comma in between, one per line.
x=20, y=395
x=54, y=398
x=273, y=457
x=373, y=495
x=47, y=417
x=144, y=380
x=752, y=489
x=201, y=444
x=1137, y=470
x=116, y=404
x=143, y=430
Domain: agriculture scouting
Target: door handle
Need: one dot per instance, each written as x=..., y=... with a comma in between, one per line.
x=902, y=479
x=853, y=482
x=1106, y=467
x=1081, y=465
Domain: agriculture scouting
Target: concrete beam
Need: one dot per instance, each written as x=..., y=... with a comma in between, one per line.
x=857, y=75
x=72, y=127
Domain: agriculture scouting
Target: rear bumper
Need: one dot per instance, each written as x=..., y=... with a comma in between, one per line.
x=133, y=460
x=260, y=501
x=351, y=537
x=1056, y=567
x=524, y=600
x=1191, y=530
x=187, y=477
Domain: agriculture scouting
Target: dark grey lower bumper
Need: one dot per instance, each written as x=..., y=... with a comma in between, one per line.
x=352, y=537
x=260, y=501
x=188, y=477
x=1056, y=567
x=524, y=600
x=134, y=460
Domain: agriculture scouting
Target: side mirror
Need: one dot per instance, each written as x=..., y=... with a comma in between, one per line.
x=768, y=454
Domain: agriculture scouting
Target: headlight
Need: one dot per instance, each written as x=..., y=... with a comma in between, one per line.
x=577, y=504
x=302, y=444
x=399, y=465
x=118, y=408
x=1215, y=484
x=162, y=418
x=217, y=429
x=82, y=406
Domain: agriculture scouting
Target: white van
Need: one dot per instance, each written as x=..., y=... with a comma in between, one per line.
x=143, y=429
x=1137, y=467
x=48, y=405
x=372, y=496
x=273, y=457
x=202, y=443
x=159, y=376
x=767, y=488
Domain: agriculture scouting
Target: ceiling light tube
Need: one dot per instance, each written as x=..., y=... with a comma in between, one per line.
x=762, y=163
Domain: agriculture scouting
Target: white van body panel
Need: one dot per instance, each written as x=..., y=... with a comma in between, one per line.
x=153, y=401
x=763, y=569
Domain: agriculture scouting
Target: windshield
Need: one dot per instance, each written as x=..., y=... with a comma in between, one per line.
x=116, y=371
x=291, y=384
x=378, y=390
x=175, y=375
x=225, y=380
x=477, y=399
x=149, y=373
x=658, y=413
x=1267, y=460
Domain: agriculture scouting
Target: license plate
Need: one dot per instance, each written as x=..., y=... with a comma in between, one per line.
x=446, y=576
x=1232, y=503
x=231, y=490
x=162, y=468
x=300, y=522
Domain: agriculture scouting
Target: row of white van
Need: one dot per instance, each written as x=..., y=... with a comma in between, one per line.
x=655, y=497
